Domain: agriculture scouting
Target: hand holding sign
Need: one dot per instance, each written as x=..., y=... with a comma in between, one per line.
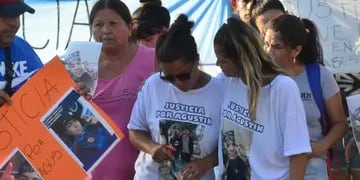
x=28, y=125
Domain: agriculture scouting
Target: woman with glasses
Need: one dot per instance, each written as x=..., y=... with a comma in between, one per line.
x=175, y=120
x=123, y=67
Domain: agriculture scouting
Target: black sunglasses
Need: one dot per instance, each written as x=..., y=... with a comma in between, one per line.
x=171, y=78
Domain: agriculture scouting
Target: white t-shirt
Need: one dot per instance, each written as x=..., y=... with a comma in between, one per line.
x=189, y=121
x=265, y=144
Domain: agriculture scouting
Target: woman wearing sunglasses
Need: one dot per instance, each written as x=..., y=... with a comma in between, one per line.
x=176, y=117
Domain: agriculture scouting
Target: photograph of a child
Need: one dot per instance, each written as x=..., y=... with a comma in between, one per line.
x=78, y=127
x=80, y=70
x=22, y=169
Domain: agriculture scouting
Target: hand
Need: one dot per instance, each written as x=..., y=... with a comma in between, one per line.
x=193, y=170
x=349, y=149
x=161, y=153
x=83, y=90
x=90, y=119
x=4, y=98
x=90, y=70
x=7, y=173
x=88, y=177
x=318, y=149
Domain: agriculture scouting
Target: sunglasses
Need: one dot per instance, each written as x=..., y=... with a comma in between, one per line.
x=171, y=78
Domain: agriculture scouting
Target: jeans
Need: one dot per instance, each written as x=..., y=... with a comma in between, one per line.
x=316, y=169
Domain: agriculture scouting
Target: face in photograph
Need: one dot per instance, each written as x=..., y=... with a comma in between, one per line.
x=73, y=127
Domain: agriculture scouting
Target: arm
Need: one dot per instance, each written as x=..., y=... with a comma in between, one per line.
x=298, y=166
x=141, y=140
x=197, y=168
x=336, y=115
x=4, y=98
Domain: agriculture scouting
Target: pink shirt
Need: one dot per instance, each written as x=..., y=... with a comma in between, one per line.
x=117, y=97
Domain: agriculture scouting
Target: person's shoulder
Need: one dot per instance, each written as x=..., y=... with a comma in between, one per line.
x=283, y=81
x=282, y=78
x=20, y=41
x=146, y=50
x=154, y=81
x=145, y=58
x=217, y=82
x=154, y=78
x=324, y=70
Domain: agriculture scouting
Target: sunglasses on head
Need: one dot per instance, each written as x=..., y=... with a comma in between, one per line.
x=171, y=78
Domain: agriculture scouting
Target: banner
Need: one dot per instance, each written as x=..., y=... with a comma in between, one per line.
x=62, y=21
x=339, y=28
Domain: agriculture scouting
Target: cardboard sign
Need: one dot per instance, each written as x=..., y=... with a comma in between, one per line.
x=29, y=125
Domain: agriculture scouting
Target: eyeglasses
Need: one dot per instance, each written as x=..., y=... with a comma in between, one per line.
x=180, y=77
x=171, y=78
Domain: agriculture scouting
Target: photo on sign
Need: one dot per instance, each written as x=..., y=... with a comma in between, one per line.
x=354, y=115
x=236, y=144
x=22, y=168
x=80, y=129
x=81, y=61
x=183, y=138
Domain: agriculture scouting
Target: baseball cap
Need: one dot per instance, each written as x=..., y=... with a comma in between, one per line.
x=14, y=8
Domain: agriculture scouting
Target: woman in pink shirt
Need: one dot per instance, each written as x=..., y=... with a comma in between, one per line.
x=123, y=66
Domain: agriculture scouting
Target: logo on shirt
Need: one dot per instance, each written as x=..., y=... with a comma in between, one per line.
x=20, y=68
x=306, y=96
x=184, y=112
x=240, y=115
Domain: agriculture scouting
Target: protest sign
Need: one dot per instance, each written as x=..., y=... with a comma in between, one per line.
x=28, y=125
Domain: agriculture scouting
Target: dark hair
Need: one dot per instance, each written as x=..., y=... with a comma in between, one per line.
x=149, y=20
x=154, y=2
x=253, y=4
x=60, y=124
x=242, y=44
x=263, y=7
x=115, y=5
x=177, y=43
x=299, y=32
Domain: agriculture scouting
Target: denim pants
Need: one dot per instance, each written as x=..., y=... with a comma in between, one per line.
x=316, y=169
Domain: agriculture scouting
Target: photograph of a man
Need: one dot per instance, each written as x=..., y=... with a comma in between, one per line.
x=80, y=70
x=236, y=163
x=21, y=168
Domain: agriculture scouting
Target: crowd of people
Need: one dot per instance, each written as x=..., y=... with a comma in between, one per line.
x=274, y=112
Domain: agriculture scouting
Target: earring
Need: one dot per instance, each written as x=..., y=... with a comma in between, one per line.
x=294, y=61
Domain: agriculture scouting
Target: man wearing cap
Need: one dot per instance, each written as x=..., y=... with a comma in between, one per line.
x=18, y=61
